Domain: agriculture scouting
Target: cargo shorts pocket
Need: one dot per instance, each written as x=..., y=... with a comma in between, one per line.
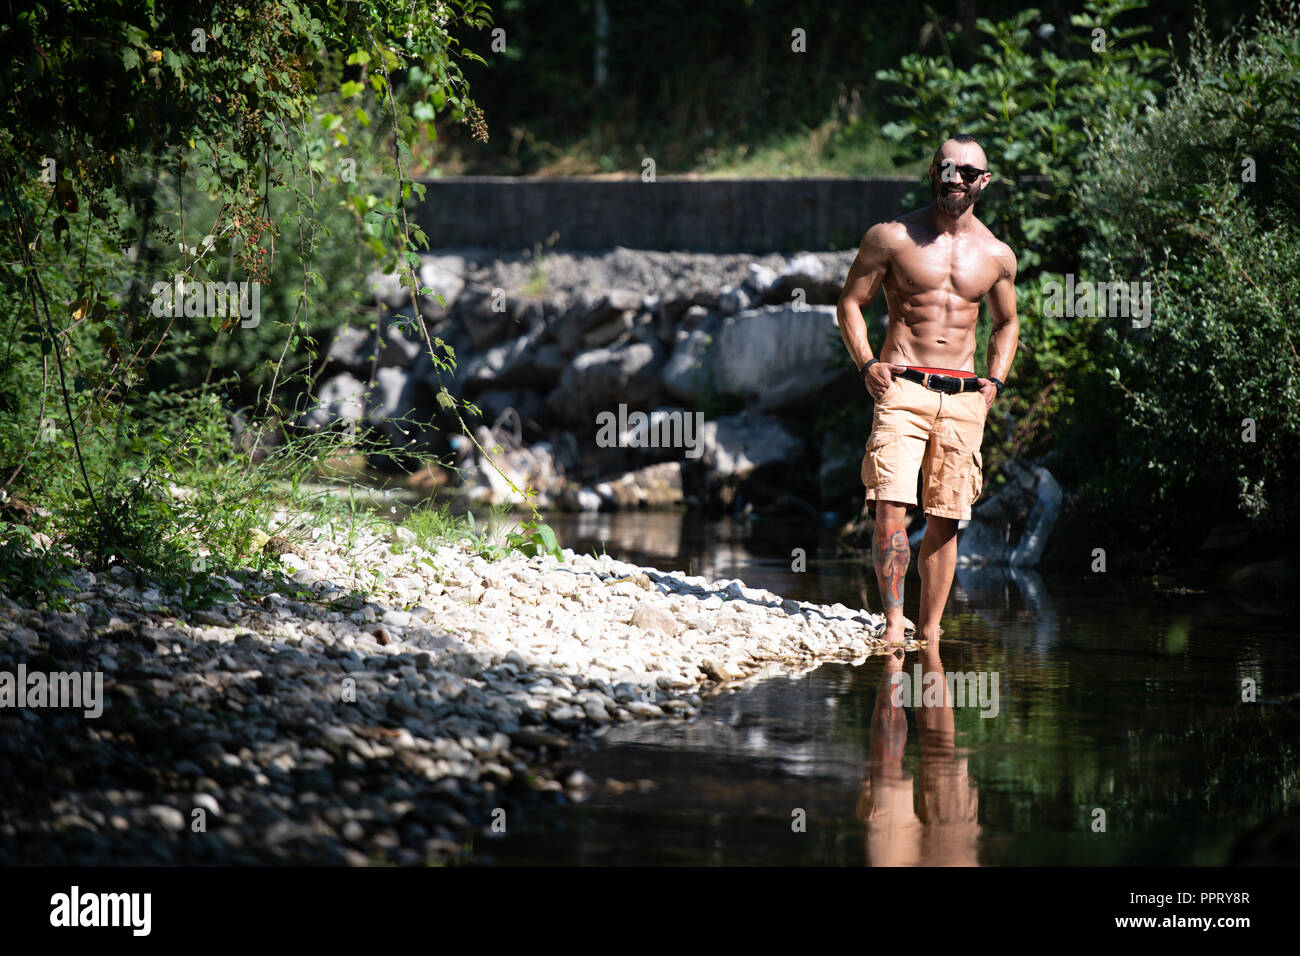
x=880, y=463
x=959, y=475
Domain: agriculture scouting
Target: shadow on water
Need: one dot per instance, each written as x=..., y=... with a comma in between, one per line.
x=1074, y=724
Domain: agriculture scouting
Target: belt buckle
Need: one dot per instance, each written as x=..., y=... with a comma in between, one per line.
x=946, y=387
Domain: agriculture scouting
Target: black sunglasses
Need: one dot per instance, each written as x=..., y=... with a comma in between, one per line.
x=968, y=173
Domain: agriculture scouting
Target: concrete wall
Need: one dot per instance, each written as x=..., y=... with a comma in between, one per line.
x=711, y=215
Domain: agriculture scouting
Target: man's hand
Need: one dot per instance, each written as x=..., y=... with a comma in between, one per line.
x=880, y=376
x=988, y=391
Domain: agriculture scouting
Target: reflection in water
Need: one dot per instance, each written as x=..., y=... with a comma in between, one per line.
x=993, y=592
x=623, y=533
x=943, y=829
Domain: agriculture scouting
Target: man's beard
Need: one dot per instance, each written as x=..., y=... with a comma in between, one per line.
x=954, y=204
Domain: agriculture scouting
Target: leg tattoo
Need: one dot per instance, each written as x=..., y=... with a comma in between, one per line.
x=892, y=556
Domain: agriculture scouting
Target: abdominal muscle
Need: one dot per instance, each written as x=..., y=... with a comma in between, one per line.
x=917, y=338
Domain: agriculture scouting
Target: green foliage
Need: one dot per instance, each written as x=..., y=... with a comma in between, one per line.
x=433, y=524
x=142, y=143
x=1199, y=197
x=535, y=538
x=33, y=574
x=531, y=539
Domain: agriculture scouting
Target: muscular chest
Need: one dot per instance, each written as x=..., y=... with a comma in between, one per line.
x=958, y=269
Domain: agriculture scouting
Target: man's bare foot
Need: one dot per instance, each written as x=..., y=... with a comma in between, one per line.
x=893, y=634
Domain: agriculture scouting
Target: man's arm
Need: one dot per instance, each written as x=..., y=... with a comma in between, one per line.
x=1005, y=336
x=864, y=280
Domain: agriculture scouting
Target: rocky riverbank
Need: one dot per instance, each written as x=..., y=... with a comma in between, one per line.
x=730, y=356
x=374, y=702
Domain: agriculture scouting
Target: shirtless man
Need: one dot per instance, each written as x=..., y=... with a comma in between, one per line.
x=935, y=265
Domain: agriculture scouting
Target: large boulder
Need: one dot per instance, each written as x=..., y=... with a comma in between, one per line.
x=514, y=470
x=778, y=355
x=490, y=316
x=808, y=278
x=602, y=379
x=387, y=289
x=402, y=408
x=535, y=366
x=749, y=455
x=1012, y=526
x=385, y=399
x=527, y=404
x=735, y=299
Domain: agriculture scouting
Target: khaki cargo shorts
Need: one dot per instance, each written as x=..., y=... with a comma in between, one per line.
x=916, y=428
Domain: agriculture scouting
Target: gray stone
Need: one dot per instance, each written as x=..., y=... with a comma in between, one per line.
x=386, y=397
x=397, y=340
x=527, y=403
x=169, y=818
x=351, y=347
x=601, y=379
x=759, y=279
x=340, y=399
x=443, y=275
x=488, y=315
x=592, y=309
x=695, y=316
x=737, y=445
x=777, y=355
x=654, y=618
x=387, y=288
x=654, y=486
x=688, y=372
x=749, y=453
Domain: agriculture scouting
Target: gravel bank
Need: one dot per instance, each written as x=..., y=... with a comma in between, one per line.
x=330, y=719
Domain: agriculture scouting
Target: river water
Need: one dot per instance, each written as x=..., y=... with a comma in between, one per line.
x=1115, y=734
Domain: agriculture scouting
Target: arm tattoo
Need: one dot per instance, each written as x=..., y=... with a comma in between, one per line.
x=892, y=555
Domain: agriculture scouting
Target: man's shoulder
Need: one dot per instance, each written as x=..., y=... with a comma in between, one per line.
x=998, y=250
x=886, y=235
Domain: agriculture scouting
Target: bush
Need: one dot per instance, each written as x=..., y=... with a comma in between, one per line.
x=1171, y=197
x=146, y=141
